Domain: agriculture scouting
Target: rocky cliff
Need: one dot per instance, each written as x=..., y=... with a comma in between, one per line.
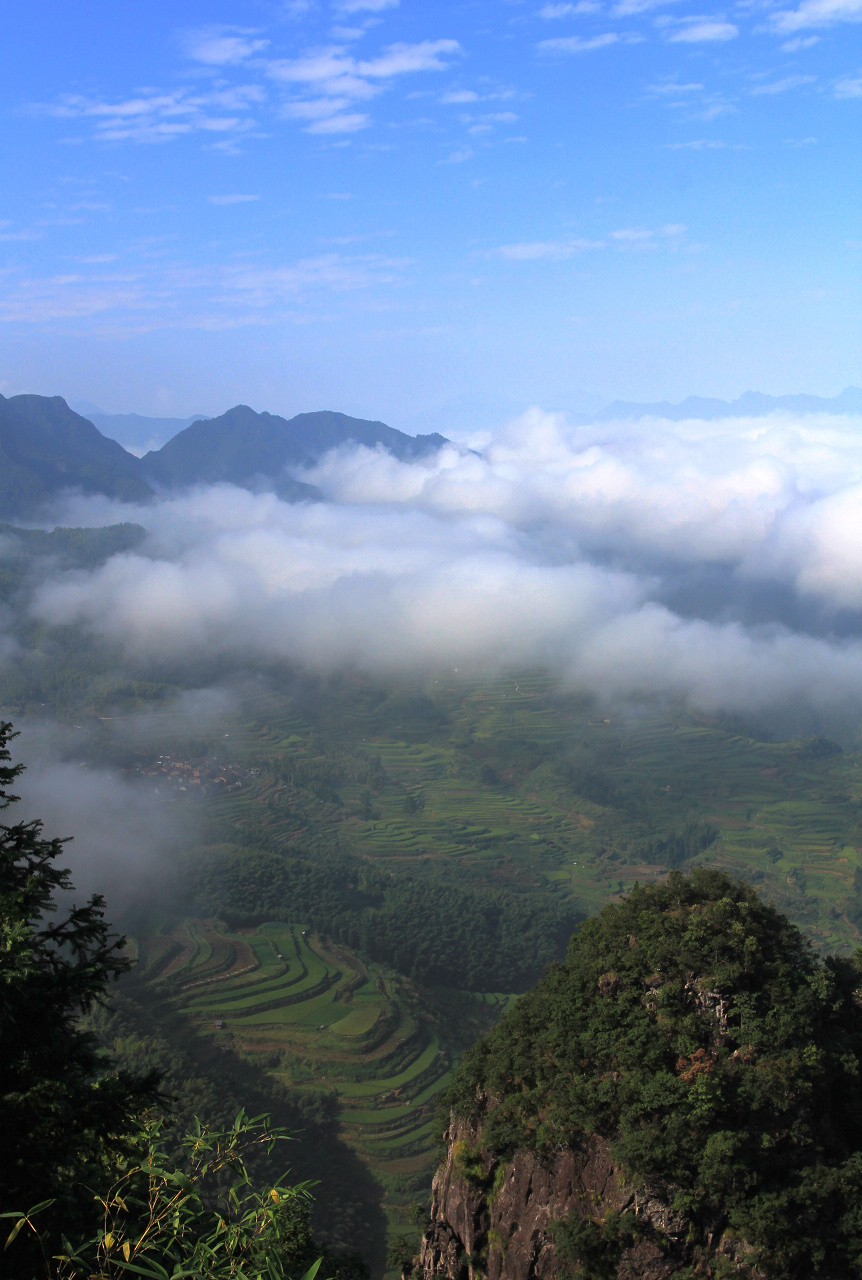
x=494, y=1220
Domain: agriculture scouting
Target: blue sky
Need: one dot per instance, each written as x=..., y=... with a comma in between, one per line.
x=432, y=213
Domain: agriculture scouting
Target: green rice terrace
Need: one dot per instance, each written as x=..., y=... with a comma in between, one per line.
x=513, y=783
x=315, y=1016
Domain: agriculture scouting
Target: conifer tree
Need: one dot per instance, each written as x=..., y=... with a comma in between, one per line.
x=66, y=1118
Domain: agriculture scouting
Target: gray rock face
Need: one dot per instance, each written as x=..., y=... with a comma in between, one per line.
x=495, y=1222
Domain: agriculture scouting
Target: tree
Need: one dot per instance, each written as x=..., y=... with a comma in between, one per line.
x=693, y=1028
x=67, y=1120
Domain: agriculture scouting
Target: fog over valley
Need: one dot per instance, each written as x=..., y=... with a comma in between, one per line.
x=715, y=562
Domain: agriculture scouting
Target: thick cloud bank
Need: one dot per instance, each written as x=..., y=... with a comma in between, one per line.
x=720, y=562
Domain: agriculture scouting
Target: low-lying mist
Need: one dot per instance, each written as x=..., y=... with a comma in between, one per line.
x=715, y=562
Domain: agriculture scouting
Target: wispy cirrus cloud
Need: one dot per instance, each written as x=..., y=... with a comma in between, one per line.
x=848, y=87
x=782, y=86
x=333, y=80
x=817, y=13
x=553, y=11
x=623, y=238
x=365, y=6
x=704, y=144
x=152, y=115
x=674, y=88
x=235, y=198
x=220, y=46
x=702, y=31
x=325, y=88
x=577, y=44
x=169, y=295
x=546, y=250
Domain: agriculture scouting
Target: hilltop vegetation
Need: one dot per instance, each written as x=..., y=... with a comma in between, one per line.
x=693, y=1027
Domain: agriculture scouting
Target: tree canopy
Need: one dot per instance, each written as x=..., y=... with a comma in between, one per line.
x=66, y=1116
x=693, y=1026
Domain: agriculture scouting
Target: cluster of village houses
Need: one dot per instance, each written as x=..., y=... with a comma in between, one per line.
x=198, y=777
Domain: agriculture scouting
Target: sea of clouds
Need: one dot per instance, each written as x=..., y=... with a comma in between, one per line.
x=718, y=562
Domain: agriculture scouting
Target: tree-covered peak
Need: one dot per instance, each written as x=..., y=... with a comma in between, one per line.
x=694, y=1027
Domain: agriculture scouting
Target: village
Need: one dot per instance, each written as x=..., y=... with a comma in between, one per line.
x=196, y=777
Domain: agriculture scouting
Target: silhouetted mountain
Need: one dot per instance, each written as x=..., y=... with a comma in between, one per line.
x=45, y=447
x=244, y=447
x=136, y=432
x=750, y=405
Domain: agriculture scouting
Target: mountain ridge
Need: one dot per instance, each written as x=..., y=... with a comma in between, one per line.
x=46, y=448
x=751, y=404
x=242, y=446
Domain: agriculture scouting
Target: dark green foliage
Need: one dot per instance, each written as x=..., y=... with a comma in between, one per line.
x=677, y=847
x=66, y=1117
x=404, y=918
x=193, y=1212
x=400, y=1254
x=591, y=1247
x=821, y=748
x=693, y=1026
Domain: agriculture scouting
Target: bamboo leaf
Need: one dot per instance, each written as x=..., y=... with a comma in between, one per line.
x=313, y=1270
x=13, y=1233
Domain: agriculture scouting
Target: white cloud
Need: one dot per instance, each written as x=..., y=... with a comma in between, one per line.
x=782, y=86
x=336, y=79
x=552, y=11
x=849, y=87
x=232, y=199
x=697, y=144
x=344, y=122
x=673, y=87
x=702, y=31
x=629, y=8
x=506, y=558
x=156, y=116
x=223, y=46
x=577, y=44
x=399, y=59
x=817, y=13
x=360, y=6
x=799, y=42
x=459, y=96
x=546, y=250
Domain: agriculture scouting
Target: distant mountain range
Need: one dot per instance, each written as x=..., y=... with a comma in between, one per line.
x=750, y=405
x=46, y=447
x=134, y=431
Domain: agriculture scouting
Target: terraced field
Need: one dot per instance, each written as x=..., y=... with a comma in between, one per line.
x=517, y=819
x=316, y=1016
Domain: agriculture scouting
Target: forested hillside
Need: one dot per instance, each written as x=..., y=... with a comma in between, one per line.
x=700, y=1066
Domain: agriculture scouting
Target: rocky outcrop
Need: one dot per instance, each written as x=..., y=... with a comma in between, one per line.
x=493, y=1220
